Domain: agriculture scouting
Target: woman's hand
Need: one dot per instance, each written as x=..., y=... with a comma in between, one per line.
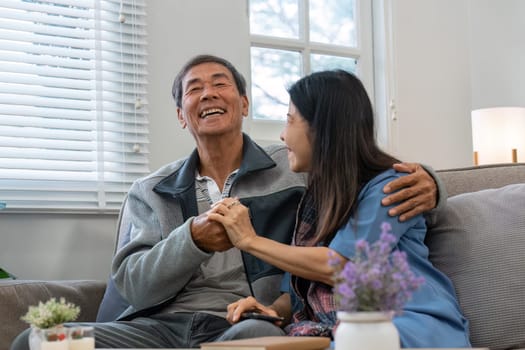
x=249, y=304
x=235, y=218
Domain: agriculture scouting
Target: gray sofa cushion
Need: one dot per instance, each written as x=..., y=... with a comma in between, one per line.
x=478, y=240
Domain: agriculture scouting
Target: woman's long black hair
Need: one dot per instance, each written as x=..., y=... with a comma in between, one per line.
x=345, y=154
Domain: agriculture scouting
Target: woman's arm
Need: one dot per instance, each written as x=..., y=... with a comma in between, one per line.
x=306, y=262
x=311, y=263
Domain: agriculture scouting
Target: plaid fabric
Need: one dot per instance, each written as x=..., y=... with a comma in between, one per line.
x=318, y=315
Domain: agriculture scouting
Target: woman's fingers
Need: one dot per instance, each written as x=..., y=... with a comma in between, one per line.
x=236, y=309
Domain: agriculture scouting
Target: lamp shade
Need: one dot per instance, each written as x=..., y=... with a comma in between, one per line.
x=498, y=135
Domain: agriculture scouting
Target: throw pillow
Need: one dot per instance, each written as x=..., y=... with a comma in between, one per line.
x=478, y=240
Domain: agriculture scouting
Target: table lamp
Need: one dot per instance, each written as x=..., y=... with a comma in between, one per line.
x=498, y=135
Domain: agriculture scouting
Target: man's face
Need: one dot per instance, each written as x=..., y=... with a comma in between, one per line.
x=211, y=103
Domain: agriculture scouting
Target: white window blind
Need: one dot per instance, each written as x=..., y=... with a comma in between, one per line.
x=73, y=109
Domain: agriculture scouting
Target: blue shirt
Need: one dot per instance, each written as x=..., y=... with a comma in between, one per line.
x=432, y=318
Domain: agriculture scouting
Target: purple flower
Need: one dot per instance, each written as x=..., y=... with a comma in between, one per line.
x=377, y=278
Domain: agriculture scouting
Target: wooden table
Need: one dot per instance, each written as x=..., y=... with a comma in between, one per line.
x=326, y=349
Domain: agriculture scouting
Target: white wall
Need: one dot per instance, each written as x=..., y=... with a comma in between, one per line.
x=178, y=30
x=432, y=82
x=497, y=43
x=434, y=76
x=46, y=246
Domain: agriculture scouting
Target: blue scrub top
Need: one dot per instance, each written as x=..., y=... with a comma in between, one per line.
x=432, y=318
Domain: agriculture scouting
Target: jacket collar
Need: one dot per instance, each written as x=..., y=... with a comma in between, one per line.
x=254, y=158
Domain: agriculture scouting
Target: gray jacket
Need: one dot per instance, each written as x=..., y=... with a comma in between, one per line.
x=159, y=257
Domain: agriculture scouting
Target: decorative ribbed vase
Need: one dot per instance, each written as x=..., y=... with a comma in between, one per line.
x=366, y=331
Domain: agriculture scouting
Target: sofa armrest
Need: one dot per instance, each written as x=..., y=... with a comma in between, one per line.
x=17, y=295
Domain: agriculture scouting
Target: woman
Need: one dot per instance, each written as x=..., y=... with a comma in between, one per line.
x=330, y=134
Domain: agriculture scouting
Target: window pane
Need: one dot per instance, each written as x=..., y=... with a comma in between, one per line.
x=324, y=62
x=336, y=25
x=274, y=18
x=272, y=72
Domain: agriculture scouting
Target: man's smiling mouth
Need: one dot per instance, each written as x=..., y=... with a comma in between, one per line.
x=212, y=111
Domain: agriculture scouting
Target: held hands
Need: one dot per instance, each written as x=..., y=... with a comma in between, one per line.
x=209, y=235
x=417, y=192
x=235, y=218
x=249, y=304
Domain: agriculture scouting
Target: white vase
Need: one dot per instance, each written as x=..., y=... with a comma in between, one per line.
x=366, y=331
x=48, y=339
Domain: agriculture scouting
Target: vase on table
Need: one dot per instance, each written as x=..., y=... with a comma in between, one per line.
x=54, y=338
x=366, y=331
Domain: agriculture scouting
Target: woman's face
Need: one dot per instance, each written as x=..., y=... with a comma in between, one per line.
x=296, y=135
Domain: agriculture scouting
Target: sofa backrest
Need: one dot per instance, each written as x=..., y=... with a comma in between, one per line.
x=478, y=240
x=471, y=179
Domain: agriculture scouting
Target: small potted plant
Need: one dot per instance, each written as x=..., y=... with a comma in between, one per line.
x=369, y=290
x=46, y=320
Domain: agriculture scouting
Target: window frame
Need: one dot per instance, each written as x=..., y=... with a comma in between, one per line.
x=268, y=131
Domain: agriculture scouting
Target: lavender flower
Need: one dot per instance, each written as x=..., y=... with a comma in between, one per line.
x=377, y=278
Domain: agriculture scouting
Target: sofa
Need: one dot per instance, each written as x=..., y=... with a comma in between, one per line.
x=477, y=239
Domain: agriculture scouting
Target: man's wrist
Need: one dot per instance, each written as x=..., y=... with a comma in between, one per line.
x=441, y=191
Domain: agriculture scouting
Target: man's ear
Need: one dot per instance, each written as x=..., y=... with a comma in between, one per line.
x=180, y=116
x=245, y=106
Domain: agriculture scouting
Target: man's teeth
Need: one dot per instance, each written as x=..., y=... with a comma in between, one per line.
x=207, y=112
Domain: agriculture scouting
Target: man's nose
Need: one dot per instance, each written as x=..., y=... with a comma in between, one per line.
x=209, y=91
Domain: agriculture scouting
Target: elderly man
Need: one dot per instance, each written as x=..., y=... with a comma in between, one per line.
x=177, y=269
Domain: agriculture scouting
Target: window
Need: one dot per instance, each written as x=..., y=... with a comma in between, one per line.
x=73, y=127
x=292, y=38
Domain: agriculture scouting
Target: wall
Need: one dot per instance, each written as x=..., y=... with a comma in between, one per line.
x=178, y=30
x=47, y=246
x=434, y=80
x=497, y=53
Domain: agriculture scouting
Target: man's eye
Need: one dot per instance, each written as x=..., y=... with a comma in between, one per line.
x=194, y=89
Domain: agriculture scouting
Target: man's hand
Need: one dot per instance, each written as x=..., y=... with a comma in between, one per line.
x=235, y=217
x=417, y=192
x=209, y=235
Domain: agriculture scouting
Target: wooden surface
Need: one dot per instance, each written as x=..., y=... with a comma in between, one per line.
x=330, y=348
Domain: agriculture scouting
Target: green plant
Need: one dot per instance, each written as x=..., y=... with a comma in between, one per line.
x=51, y=313
x=4, y=273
